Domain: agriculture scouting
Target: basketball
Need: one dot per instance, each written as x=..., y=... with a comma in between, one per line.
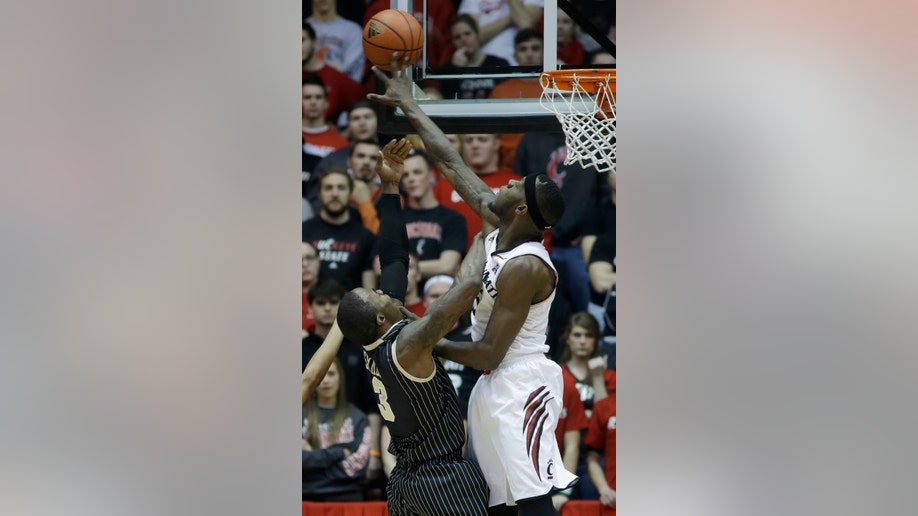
x=391, y=31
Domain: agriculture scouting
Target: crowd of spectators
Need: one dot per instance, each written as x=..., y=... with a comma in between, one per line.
x=344, y=442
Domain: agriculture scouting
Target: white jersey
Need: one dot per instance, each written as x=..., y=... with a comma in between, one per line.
x=531, y=338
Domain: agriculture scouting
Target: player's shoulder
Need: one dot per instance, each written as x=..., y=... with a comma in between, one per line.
x=528, y=265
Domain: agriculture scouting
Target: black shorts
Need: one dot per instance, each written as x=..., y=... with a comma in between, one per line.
x=454, y=487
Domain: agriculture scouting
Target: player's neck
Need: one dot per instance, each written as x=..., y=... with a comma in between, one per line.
x=511, y=235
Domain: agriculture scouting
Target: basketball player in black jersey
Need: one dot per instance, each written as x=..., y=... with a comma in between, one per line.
x=416, y=397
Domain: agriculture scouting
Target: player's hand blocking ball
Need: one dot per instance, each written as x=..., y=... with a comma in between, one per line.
x=391, y=31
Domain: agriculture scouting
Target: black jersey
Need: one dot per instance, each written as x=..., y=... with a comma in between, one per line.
x=422, y=414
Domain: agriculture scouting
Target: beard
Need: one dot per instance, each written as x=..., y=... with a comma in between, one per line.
x=336, y=209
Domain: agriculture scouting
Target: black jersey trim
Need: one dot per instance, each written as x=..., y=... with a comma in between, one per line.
x=553, y=490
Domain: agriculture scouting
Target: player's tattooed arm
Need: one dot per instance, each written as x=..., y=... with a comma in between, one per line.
x=418, y=338
x=468, y=185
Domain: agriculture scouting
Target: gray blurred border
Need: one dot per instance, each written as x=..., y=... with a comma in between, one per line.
x=150, y=202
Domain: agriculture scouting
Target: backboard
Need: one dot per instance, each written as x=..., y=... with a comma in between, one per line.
x=518, y=109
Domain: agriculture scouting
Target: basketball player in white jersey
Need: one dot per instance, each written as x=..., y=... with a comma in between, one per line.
x=514, y=407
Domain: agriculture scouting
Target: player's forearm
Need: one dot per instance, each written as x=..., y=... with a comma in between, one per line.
x=443, y=314
x=319, y=363
x=476, y=354
x=468, y=185
x=460, y=352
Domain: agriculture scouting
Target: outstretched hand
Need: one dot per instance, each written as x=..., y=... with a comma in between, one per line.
x=398, y=87
x=390, y=165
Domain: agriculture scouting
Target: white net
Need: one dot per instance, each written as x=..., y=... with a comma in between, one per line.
x=587, y=119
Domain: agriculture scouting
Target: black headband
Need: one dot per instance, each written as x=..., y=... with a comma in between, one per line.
x=530, y=183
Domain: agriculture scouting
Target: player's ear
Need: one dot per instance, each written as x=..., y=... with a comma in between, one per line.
x=522, y=209
x=380, y=318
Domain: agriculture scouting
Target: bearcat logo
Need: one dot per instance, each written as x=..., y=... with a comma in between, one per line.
x=374, y=29
x=550, y=470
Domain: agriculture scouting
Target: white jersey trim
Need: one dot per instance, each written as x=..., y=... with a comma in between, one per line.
x=406, y=373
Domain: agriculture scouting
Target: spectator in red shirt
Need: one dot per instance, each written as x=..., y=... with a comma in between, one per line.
x=581, y=360
x=600, y=441
x=570, y=49
x=482, y=155
x=342, y=90
x=319, y=139
x=573, y=419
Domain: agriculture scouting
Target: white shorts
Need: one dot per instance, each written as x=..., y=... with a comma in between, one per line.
x=513, y=413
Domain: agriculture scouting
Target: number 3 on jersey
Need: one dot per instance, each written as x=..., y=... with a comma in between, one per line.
x=382, y=400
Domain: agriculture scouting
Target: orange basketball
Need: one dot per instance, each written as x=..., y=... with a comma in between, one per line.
x=389, y=31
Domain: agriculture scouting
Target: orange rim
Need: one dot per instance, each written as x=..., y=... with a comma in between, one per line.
x=590, y=81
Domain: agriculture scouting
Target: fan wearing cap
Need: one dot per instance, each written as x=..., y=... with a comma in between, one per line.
x=515, y=406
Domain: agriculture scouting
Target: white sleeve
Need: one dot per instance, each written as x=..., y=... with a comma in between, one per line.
x=471, y=7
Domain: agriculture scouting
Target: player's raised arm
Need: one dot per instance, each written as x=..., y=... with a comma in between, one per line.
x=320, y=362
x=469, y=186
x=418, y=338
x=393, y=238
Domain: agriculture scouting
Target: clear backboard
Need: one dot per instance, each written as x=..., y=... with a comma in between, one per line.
x=593, y=24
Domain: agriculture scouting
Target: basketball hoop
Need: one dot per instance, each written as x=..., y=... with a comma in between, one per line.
x=584, y=103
